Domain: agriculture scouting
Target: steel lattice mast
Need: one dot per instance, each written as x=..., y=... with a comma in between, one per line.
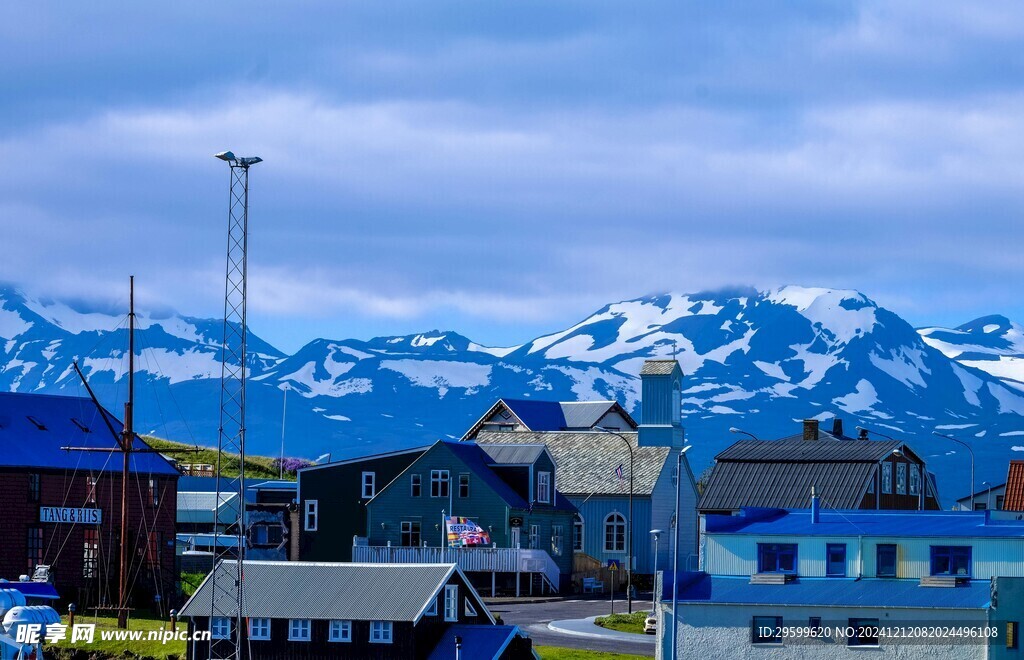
x=227, y=587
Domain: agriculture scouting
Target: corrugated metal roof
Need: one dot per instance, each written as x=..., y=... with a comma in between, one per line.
x=840, y=485
x=483, y=642
x=790, y=449
x=512, y=454
x=861, y=522
x=476, y=460
x=1013, y=500
x=538, y=415
x=199, y=507
x=582, y=414
x=315, y=590
x=830, y=592
x=66, y=421
x=658, y=367
x=587, y=460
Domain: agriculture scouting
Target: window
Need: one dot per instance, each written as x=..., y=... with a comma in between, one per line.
x=154, y=492
x=776, y=557
x=835, y=560
x=35, y=548
x=865, y=632
x=814, y=623
x=439, y=483
x=577, y=534
x=411, y=533
x=259, y=629
x=1011, y=634
x=535, y=537
x=915, y=479
x=951, y=560
x=220, y=627
x=766, y=630
x=901, y=478
x=614, y=533
x=153, y=549
x=544, y=487
x=451, y=602
x=979, y=506
x=885, y=560
x=887, y=477
x=463, y=485
x=34, y=487
x=90, y=489
x=298, y=630
x=380, y=632
x=431, y=609
x=312, y=508
x=999, y=502
x=470, y=610
x=556, y=540
x=369, y=484
x=416, y=485
x=341, y=631
x=91, y=554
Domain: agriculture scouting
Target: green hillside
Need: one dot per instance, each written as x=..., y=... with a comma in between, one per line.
x=259, y=467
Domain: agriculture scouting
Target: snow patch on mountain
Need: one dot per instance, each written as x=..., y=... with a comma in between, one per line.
x=440, y=374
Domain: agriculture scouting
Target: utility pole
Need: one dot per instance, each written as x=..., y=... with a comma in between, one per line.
x=126, y=445
x=226, y=587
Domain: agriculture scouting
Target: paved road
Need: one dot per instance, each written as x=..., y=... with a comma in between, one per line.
x=534, y=618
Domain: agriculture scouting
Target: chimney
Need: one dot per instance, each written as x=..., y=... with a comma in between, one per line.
x=815, y=506
x=810, y=430
x=837, y=427
x=862, y=434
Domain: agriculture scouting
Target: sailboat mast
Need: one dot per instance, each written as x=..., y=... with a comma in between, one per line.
x=126, y=448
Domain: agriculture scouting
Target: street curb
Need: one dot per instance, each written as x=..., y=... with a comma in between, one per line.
x=606, y=634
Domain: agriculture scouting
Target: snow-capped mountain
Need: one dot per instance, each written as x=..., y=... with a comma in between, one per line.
x=757, y=360
x=993, y=344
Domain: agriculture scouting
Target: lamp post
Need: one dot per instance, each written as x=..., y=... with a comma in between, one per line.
x=733, y=429
x=675, y=550
x=988, y=496
x=629, y=523
x=656, y=533
x=970, y=451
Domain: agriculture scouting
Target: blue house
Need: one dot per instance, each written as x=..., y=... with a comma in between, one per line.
x=594, y=470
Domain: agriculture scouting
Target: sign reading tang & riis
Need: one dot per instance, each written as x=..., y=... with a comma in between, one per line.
x=58, y=514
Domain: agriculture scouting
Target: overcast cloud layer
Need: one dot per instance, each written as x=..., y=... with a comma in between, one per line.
x=504, y=168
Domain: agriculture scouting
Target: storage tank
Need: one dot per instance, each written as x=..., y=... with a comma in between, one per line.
x=22, y=615
x=10, y=598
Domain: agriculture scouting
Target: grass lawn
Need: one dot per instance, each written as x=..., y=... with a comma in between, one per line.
x=260, y=467
x=115, y=649
x=631, y=623
x=558, y=653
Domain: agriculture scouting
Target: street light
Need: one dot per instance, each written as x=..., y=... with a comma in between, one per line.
x=656, y=533
x=629, y=523
x=988, y=496
x=675, y=549
x=970, y=451
x=733, y=429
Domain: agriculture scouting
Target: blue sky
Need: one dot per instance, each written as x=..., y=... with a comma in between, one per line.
x=505, y=168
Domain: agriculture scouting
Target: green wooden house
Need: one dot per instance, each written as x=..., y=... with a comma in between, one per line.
x=511, y=491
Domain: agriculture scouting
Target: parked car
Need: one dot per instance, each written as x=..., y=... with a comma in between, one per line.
x=651, y=623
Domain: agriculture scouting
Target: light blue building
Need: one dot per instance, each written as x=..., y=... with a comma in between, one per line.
x=798, y=583
x=593, y=468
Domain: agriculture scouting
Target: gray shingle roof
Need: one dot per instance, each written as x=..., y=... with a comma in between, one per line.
x=587, y=460
x=319, y=590
x=657, y=367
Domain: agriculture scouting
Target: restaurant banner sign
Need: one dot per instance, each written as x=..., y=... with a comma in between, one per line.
x=59, y=514
x=463, y=531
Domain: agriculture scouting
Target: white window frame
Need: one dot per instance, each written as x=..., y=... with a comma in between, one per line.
x=557, y=540
x=534, y=537
x=544, y=487
x=381, y=632
x=340, y=631
x=915, y=479
x=432, y=608
x=901, y=478
x=415, y=483
x=464, y=476
x=440, y=477
x=296, y=630
x=451, y=602
x=372, y=483
x=582, y=526
x=887, y=478
x=312, y=514
x=218, y=625
x=259, y=629
x=470, y=610
x=608, y=522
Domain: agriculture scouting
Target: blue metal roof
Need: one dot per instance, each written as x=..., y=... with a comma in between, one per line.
x=275, y=485
x=832, y=522
x=34, y=427
x=33, y=589
x=828, y=592
x=538, y=415
x=478, y=641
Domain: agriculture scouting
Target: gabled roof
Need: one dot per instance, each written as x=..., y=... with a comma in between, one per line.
x=537, y=415
x=34, y=427
x=799, y=450
x=658, y=367
x=321, y=590
x=701, y=588
x=1013, y=499
x=514, y=454
x=587, y=460
x=479, y=642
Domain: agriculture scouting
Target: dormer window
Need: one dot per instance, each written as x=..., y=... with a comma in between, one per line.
x=544, y=487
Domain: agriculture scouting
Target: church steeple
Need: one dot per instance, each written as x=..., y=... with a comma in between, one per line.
x=661, y=423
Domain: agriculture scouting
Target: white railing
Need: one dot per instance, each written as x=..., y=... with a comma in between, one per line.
x=539, y=561
x=485, y=559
